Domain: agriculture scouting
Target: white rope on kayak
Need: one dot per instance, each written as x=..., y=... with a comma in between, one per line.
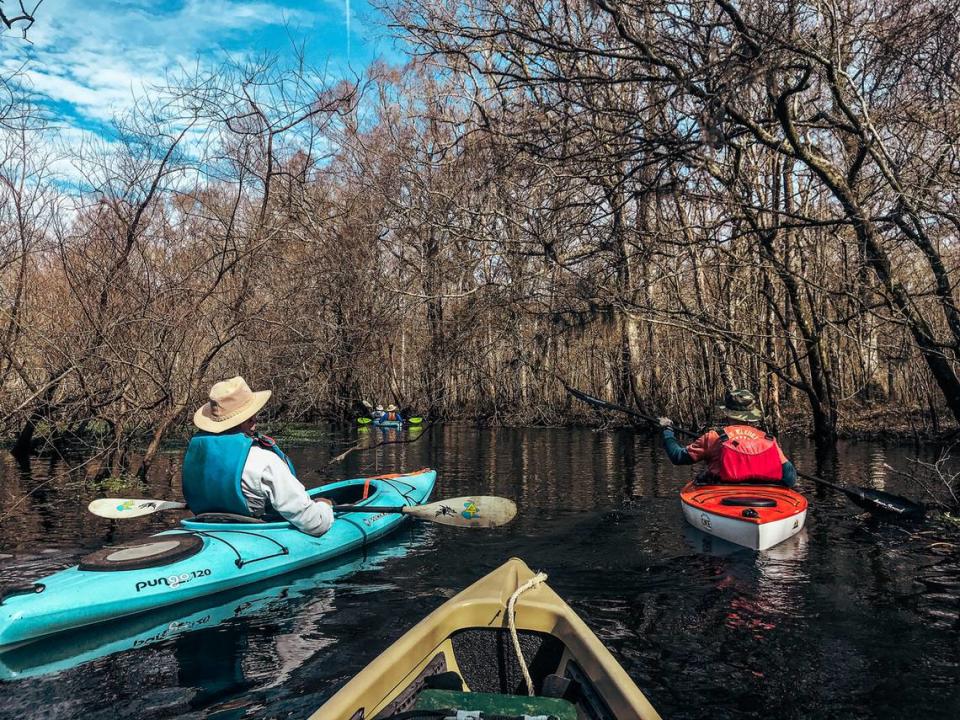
x=512, y=620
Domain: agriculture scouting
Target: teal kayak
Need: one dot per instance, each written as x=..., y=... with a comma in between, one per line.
x=208, y=554
x=304, y=593
x=388, y=423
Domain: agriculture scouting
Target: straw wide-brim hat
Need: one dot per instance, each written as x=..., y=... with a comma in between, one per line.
x=391, y=408
x=231, y=402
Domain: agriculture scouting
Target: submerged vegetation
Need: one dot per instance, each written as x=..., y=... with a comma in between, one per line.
x=654, y=202
x=938, y=482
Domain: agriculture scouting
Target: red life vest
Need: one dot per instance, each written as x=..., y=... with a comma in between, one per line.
x=747, y=459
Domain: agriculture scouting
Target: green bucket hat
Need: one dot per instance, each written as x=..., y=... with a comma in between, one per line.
x=740, y=405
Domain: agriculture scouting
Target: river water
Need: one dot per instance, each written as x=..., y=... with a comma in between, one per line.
x=853, y=618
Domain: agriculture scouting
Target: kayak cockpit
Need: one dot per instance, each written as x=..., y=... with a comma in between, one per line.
x=341, y=493
x=476, y=669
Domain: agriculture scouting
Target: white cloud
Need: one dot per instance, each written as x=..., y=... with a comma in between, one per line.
x=96, y=55
x=87, y=60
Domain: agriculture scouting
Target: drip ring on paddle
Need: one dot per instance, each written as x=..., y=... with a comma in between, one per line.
x=145, y=552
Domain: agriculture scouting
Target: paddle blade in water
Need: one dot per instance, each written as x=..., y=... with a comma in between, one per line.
x=123, y=508
x=363, y=421
x=887, y=503
x=474, y=511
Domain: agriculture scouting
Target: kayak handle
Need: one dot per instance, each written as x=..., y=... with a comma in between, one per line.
x=24, y=589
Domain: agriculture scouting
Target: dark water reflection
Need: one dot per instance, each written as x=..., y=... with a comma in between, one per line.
x=853, y=618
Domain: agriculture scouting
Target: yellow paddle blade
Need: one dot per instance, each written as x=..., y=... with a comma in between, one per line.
x=472, y=511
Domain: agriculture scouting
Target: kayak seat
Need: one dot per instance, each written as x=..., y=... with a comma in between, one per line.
x=215, y=517
x=749, y=502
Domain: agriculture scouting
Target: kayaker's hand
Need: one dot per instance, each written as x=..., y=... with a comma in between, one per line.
x=665, y=422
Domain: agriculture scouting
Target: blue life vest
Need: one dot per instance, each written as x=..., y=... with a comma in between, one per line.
x=213, y=468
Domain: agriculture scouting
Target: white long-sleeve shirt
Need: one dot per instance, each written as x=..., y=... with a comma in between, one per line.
x=266, y=478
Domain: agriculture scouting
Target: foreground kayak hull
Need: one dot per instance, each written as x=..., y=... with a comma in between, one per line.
x=468, y=635
x=232, y=555
x=304, y=593
x=753, y=516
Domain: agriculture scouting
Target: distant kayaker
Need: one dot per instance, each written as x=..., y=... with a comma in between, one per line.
x=392, y=414
x=737, y=451
x=229, y=467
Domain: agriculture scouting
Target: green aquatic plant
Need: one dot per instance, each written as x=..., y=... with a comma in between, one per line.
x=123, y=481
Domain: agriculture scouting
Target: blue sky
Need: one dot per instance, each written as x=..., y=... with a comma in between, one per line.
x=86, y=59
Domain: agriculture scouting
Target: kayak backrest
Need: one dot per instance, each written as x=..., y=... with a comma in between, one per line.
x=340, y=493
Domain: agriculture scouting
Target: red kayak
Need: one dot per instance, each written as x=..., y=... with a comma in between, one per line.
x=754, y=516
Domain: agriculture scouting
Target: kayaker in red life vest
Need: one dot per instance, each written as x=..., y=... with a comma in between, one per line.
x=737, y=451
x=230, y=468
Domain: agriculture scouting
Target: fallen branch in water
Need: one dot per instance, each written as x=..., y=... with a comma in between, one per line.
x=361, y=447
x=935, y=479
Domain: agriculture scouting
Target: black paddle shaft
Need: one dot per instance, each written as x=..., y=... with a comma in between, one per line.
x=866, y=498
x=368, y=509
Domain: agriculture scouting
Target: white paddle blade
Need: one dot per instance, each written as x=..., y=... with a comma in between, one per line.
x=123, y=508
x=475, y=511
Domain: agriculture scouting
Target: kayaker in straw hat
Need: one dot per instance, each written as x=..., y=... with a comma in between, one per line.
x=737, y=451
x=231, y=468
x=392, y=414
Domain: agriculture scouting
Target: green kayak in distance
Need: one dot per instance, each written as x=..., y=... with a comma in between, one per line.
x=206, y=555
x=370, y=422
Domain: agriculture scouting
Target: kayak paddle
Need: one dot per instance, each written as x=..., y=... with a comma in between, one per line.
x=866, y=498
x=474, y=511
x=122, y=508
x=364, y=421
x=415, y=420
